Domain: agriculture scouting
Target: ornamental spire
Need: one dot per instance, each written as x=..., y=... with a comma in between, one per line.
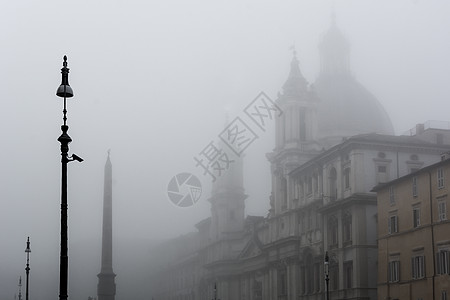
x=295, y=84
x=334, y=51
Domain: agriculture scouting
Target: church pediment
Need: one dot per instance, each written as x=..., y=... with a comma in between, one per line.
x=252, y=249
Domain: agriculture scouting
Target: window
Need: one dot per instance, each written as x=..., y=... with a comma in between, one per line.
x=382, y=168
x=416, y=217
x=348, y=274
x=257, y=290
x=317, y=277
x=303, y=220
x=442, y=262
x=442, y=209
x=443, y=295
x=309, y=225
x=307, y=276
x=296, y=193
x=309, y=185
x=300, y=189
x=284, y=193
x=440, y=178
x=282, y=282
x=316, y=183
x=394, y=271
x=391, y=195
x=333, y=184
x=302, y=280
x=334, y=276
x=347, y=228
x=418, y=266
x=318, y=221
x=414, y=186
x=347, y=178
x=393, y=224
x=333, y=231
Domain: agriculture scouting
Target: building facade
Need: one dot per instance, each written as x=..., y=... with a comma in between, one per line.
x=414, y=235
x=333, y=143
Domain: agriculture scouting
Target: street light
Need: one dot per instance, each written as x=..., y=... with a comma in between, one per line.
x=64, y=91
x=27, y=269
x=215, y=291
x=326, y=270
x=20, y=288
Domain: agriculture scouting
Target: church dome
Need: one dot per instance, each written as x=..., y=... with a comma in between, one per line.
x=345, y=107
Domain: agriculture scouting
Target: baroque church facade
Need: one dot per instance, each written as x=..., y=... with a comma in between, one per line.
x=333, y=143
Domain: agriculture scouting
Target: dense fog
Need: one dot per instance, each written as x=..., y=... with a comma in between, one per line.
x=155, y=81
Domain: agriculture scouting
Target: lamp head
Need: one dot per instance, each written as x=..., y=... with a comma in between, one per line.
x=28, y=250
x=64, y=90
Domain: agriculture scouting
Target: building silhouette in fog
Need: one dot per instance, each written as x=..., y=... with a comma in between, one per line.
x=333, y=143
x=106, y=288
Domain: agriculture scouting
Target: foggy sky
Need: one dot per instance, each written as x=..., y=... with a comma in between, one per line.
x=153, y=81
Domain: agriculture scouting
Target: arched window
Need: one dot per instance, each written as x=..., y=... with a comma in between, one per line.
x=347, y=178
x=282, y=282
x=309, y=274
x=284, y=193
x=257, y=290
x=333, y=231
x=333, y=184
x=347, y=227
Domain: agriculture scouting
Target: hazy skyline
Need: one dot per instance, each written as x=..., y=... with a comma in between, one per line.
x=153, y=81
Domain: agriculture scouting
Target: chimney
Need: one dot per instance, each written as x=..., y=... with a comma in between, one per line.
x=420, y=128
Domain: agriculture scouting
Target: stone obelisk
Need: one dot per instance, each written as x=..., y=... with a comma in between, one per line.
x=106, y=288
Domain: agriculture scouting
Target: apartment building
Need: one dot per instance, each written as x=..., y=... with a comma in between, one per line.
x=414, y=235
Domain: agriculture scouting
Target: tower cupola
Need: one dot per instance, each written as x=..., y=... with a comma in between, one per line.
x=334, y=51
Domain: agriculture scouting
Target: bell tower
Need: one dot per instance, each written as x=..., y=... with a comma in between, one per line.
x=228, y=201
x=295, y=133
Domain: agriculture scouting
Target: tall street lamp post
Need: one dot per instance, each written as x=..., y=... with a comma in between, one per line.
x=20, y=287
x=327, y=274
x=64, y=91
x=27, y=269
x=215, y=292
